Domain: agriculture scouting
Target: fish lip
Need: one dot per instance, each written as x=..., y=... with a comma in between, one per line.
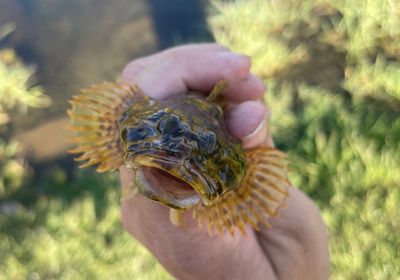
x=205, y=189
x=154, y=193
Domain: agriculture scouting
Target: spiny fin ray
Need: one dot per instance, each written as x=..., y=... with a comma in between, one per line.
x=94, y=121
x=262, y=191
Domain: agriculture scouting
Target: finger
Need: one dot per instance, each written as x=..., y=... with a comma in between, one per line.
x=196, y=71
x=298, y=235
x=251, y=88
x=209, y=47
x=137, y=65
x=133, y=69
x=248, y=121
x=139, y=215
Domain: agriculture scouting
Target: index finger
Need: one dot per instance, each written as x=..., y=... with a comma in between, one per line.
x=193, y=70
x=134, y=67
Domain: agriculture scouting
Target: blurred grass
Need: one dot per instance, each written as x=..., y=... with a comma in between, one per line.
x=51, y=228
x=332, y=69
x=16, y=96
x=59, y=230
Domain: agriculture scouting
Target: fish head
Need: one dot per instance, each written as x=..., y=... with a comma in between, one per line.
x=181, y=151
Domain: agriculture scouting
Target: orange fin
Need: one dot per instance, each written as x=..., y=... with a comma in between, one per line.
x=261, y=193
x=94, y=121
x=217, y=91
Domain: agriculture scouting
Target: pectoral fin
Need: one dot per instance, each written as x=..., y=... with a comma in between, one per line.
x=261, y=193
x=94, y=121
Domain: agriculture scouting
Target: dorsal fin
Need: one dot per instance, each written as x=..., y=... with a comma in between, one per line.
x=217, y=91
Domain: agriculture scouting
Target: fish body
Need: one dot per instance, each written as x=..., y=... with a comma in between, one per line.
x=182, y=154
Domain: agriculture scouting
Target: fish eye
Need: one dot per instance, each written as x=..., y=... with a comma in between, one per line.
x=139, y=133
x=142, y=130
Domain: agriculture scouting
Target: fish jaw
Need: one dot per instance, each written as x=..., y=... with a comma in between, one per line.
x=172, y=182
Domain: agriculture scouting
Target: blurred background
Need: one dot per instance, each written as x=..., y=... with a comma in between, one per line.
x=332, y=69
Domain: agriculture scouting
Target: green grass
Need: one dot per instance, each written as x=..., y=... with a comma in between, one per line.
x=56, y=230
x=332, y=72
x=51, y=229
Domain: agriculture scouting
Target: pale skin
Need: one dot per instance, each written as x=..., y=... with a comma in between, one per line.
x=296, y=244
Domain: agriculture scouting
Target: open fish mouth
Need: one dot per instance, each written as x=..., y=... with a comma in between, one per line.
x=171, y=181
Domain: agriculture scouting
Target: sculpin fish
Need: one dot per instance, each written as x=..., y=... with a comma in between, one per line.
x=182, y=154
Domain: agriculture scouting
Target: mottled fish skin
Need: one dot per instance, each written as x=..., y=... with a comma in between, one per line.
x=191, y=129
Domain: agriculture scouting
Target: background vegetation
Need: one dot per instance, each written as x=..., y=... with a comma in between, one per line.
x=51, y=228
x=15, y=99
x=333, y=75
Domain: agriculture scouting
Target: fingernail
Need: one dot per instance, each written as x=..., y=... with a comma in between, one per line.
x=259, y=128
x=259, y=136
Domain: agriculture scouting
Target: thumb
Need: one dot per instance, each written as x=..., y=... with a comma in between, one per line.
x=248, y=121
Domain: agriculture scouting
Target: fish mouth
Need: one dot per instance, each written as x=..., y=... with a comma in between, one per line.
x=171, y=181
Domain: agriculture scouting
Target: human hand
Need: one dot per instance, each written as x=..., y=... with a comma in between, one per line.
x=295, y=247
